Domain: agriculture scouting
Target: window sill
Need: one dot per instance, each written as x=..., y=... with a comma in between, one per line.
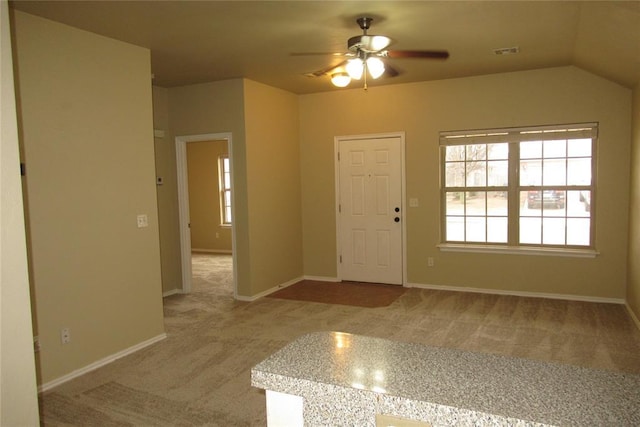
x=518, y=250
x=225, y=226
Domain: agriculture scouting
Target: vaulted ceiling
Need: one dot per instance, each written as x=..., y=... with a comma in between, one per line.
x=202, y=41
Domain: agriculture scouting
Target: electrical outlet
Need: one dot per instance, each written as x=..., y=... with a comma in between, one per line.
x=430, y=261
x=65, y=335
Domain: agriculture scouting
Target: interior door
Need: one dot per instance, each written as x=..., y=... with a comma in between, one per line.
x=370, y=210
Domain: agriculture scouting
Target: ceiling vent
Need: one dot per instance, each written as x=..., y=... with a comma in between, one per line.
x=507, y=50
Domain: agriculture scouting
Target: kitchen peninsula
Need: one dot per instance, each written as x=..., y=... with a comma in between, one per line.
x=334, y=378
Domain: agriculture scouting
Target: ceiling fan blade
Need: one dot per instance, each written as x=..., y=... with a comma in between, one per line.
x=389, y=71
x=428, y=54
x=324, y=71
x=340, y=54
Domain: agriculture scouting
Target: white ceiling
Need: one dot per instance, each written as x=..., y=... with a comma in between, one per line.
x=202, y=41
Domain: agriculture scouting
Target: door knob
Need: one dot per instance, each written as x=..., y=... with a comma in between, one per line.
x=396, y=219
x=397, y=209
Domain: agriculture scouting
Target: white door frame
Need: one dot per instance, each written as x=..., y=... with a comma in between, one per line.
x=183, y=205
x=336, y=147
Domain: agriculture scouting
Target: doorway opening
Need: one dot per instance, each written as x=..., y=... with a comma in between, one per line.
x=206, y=254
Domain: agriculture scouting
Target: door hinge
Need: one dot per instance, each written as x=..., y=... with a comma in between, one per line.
x=339, y=208
x=23, y=169
x=338, y=156
x=340, y=259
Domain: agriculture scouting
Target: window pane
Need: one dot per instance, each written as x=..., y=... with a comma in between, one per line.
x=454, y=174
x=476, y=174
x=530, y=230
x=475, y=203
x=579, y=203
x=525, y=210
x=498, y=151
x=578, y=231
x=579, y=147
x=476, y=229
x=227, y=198
x=553, y=231
x=555, y=149
x=531, y=172
x=476, y=152
x=454, y=152
x=455, y=229
x=531, y=150
x=455, y=203
x=498, y=173
x=553, y=203
x=497, y=230
x=578, y=171
x=227, y=212
x=554, y=172
x=497, y=203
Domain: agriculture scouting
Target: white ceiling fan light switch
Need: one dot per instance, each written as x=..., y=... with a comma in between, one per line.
x=143, y=221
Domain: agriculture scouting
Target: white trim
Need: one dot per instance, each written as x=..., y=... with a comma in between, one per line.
x=403, y=179
x=567, y=297
x=183, y=204
x=632, y=314
x=212, y=251
x=269, y=291
x=322, y=278
x=518, y=250
x=100, y=363
x=171, y=292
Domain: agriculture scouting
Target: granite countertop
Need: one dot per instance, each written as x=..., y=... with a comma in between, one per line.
x=347, y=379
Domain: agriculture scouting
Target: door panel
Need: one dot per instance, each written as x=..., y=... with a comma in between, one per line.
x=370, y=186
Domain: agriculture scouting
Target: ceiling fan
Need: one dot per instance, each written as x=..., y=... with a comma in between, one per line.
x=365, y=57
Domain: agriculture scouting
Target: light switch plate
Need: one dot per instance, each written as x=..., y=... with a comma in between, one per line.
x=143, y=221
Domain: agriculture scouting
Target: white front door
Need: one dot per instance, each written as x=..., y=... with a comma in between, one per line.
x=370, y=209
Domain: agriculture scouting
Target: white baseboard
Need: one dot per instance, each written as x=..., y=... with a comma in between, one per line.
x=268, y=291
x=212, y=251
x=171, y=292
x=633, y=315
x=100, y=363
x=322, y=278
x=517, y=293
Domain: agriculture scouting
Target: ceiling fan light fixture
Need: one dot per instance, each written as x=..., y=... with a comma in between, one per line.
x=355, y=68
x=375, y=67
x=340, y=79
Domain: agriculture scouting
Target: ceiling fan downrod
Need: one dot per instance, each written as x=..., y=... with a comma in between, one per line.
x=364, y=23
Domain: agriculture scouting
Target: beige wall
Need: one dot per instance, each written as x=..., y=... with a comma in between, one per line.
x=549, y=96
x=168, y=220
x=219, y=108
x=18, y=397
x=633, y=288
x=273, y=177
x=207, y=233
x=264, y=127
x=88, y=143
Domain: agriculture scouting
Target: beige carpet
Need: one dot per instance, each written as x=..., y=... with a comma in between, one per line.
x=199, y=375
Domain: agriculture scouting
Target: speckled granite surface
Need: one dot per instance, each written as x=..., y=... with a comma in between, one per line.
x=346, y=379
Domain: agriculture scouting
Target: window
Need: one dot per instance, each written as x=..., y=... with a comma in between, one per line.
x=225, y=189
x=519, y=187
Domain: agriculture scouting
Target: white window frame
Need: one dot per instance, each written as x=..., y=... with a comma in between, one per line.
x=513, y=137
x=226, y=214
